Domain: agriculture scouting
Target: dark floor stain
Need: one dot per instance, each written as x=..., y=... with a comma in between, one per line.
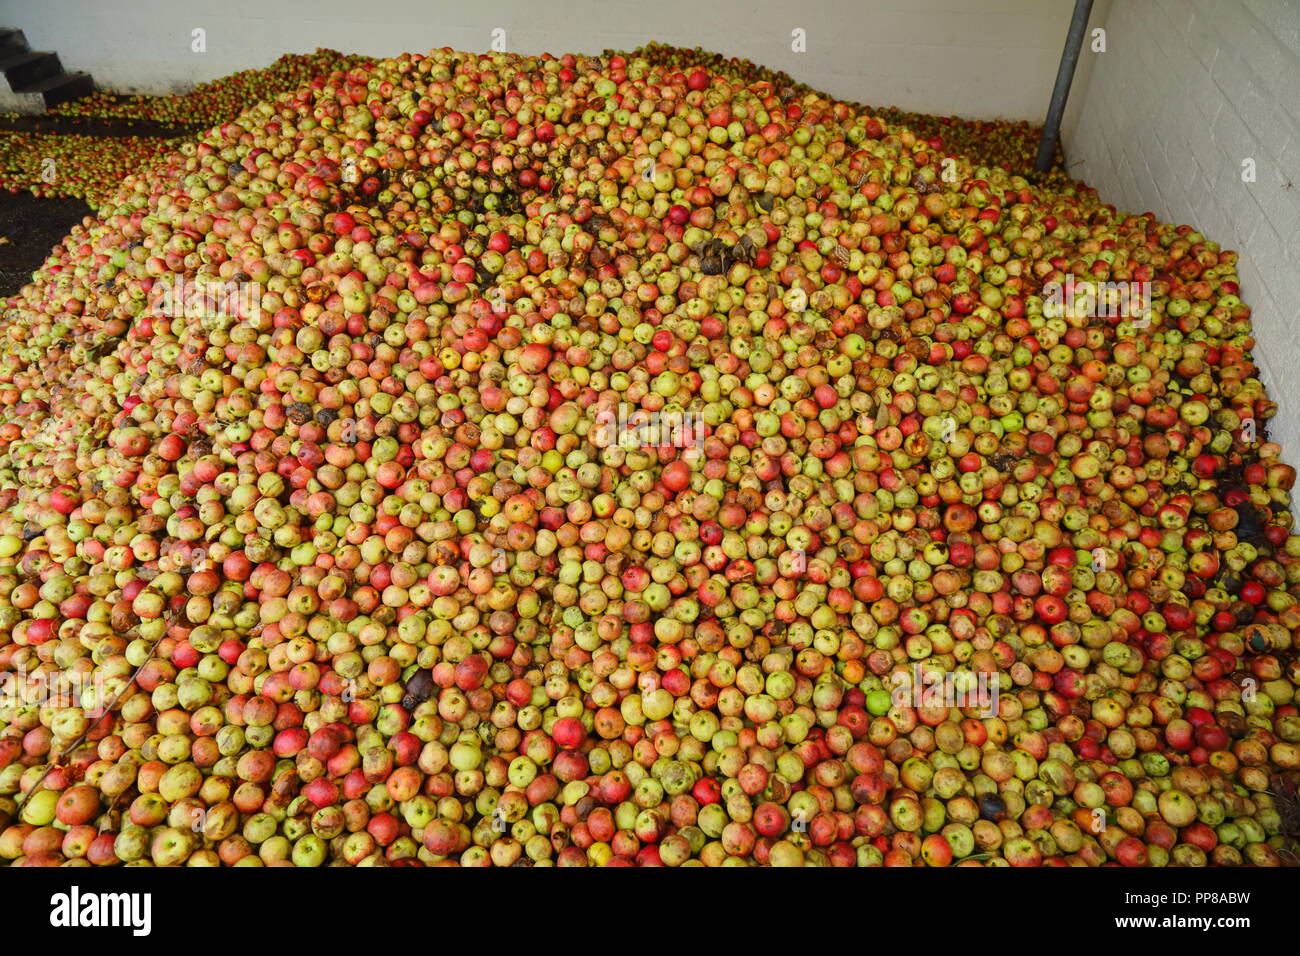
x=31, y=228
x=89, y=126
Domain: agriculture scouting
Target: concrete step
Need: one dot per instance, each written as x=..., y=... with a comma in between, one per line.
x=12, y=41
x=33, y=81
x=62, y=87
x=26, y=104
x=23, y=69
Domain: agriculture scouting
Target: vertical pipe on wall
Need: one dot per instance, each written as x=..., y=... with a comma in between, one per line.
x=1061, y=91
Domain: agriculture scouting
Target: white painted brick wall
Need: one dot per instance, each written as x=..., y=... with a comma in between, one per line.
x=1184, y=92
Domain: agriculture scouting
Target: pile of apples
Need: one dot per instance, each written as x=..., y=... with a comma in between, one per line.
x=90, y=168
x=1011, y=144
x=215, y=101
x=497, y=460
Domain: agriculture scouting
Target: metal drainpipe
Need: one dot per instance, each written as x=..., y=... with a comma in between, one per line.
x=1061, y=91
